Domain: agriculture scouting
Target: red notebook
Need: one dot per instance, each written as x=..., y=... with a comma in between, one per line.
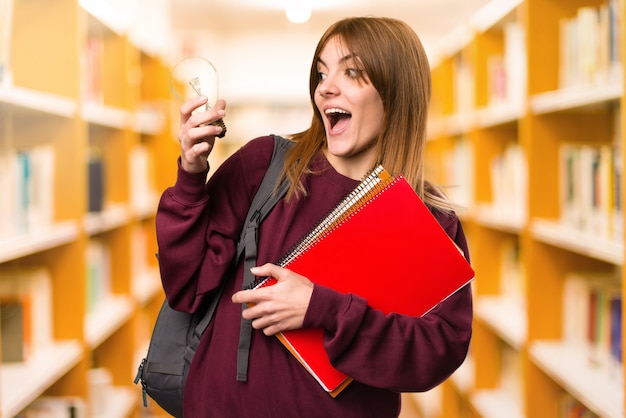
x=382, y=226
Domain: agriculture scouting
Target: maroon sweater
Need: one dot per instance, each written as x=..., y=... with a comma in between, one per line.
x=197, y=229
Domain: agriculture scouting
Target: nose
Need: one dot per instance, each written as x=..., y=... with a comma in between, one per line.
x=327, y=87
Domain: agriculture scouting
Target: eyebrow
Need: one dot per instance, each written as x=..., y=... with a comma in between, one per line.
x=341, y=61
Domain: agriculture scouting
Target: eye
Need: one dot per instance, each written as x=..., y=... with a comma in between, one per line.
x=321, y=76
x=353, y=72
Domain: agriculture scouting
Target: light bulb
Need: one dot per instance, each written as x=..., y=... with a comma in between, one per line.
x=197, y=76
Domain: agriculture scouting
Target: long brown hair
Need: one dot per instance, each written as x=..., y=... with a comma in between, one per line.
x=397, y=66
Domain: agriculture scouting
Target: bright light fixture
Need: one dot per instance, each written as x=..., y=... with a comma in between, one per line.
x=298, y=11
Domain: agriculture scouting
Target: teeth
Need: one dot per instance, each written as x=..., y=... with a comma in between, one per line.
x=336, y=110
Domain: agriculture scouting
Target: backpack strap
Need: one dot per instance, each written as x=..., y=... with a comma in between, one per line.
x=263, y=202
x=265, y=199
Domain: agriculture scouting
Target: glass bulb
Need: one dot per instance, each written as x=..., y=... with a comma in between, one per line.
x=197, y=76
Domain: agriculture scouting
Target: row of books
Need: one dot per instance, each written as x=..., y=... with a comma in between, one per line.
x=26, y=312
x=590, y=46
x=590, y=182
x=457, y=173
x=509, y=182
x=508, y=175
x=571, y=407
x=506, y=73
x=592, y=317
x=142, y=191
x=27, y=189
x=27, y=184
x=93, y=62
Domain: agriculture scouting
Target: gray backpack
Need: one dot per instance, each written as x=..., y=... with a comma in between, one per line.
x=176, y=335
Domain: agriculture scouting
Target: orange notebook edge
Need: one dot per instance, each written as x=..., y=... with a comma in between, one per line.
x=331, y=391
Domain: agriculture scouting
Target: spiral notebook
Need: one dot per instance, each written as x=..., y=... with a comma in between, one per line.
x=381, y=226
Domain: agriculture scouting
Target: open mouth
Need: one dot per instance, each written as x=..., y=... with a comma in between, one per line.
x=337, y=117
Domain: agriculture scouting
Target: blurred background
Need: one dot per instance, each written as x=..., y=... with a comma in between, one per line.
x=263, y=48
x=524, y=134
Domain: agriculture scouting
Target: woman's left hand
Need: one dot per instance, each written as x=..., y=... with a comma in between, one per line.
x=279, y=307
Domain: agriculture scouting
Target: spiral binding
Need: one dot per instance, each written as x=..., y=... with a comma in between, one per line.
x=374, y=182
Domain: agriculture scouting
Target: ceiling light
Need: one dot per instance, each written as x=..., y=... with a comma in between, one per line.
x=298, y=11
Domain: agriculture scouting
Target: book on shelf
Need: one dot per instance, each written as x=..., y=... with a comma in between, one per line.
x=26, y=298
x=515, y=63
x=458, y=172
x=98, y=274
x=589, y=45
x=590, y=195
x=95, y=167
x=592, y=317
x=496, y=74
x=509, y=182
x=464, y=97
x=512, y=276
x=27, y=182
x=143, y=196
x=384, y=223
x=14, y=329
x=93, y=62
x=570, y=407
x=506, y=70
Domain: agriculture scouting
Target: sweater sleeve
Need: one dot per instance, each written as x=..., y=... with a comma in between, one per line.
x=395, y=352
x=196, y=238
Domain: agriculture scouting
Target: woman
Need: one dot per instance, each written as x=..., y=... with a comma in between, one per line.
x=369, y=87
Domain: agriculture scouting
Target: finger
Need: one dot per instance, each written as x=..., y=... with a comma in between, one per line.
x=202, y=148
x=245, y=296
x=220, y=105
x=204, y=133
x=191, y=105
x=267, y=269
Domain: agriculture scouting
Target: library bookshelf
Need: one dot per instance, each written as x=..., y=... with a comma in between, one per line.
x=525, y=133
x=84, y=136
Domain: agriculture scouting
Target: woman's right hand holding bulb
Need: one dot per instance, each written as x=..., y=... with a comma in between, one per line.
x=196, y=135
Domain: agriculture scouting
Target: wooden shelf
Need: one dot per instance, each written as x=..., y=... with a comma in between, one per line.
x=113, y=217
x=99, y=88
x=500, y=110
x=148, y=122
x=110, y=314
x=506, y=316
x=499, y=219
x=578, y=97
x=21, y=383
x=561, y=236
x=146, y=286
x=106, y=116
x=496, y=403
x=500, y=114
x=23, y=101
x=13, y=247
x=570, y=367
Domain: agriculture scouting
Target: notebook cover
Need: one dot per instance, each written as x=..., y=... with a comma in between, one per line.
x=395, y=234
